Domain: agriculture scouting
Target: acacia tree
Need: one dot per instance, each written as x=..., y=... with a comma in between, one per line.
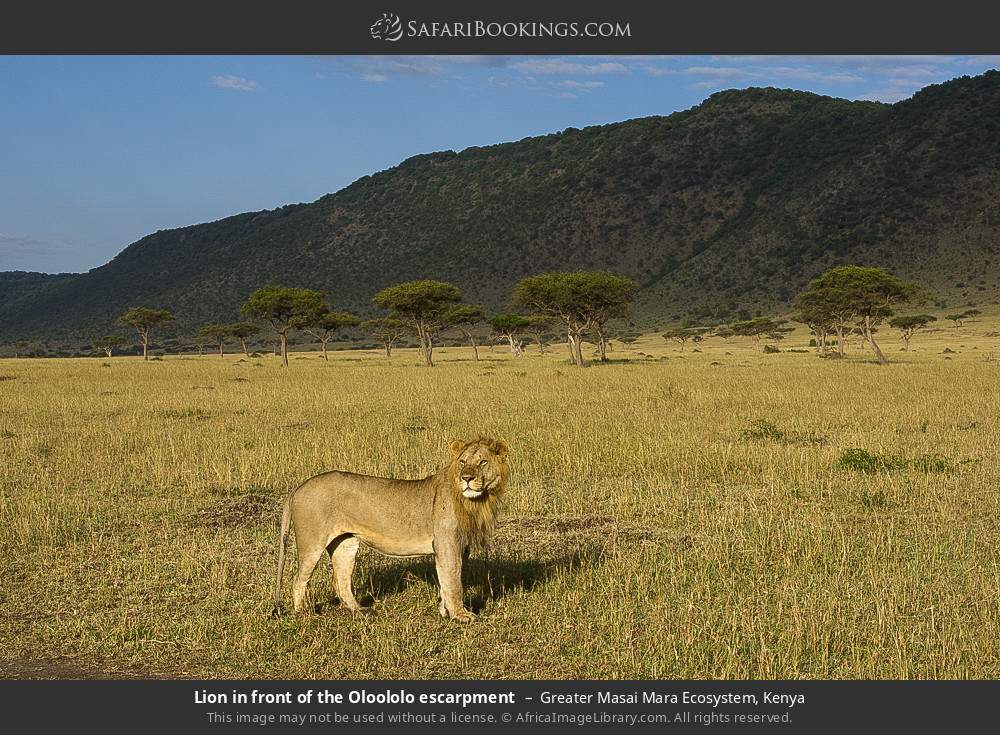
x=216, y=334
x=961, y=316
x=19, y=347
x=539, y=325
x=860, y=295
x=424, y=305
x=628, y=339
x=323, y=325
x=910, y=325
x=582, y=300
x=759, y=328
x=109, y=342
x=144, y=320
x=244, y=331
x=387, y=331
x=465, y=317
x=510, y=327
x=280, y=306
x=681, y=335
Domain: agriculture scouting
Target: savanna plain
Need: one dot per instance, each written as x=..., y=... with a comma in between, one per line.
x=723, y=513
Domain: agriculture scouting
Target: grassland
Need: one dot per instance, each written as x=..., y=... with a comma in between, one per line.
x=696, y=516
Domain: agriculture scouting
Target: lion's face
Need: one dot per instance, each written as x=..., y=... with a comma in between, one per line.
x=480, y=467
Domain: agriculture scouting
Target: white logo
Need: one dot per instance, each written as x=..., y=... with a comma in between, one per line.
x=387, y=28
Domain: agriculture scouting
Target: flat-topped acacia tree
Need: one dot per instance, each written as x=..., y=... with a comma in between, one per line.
x=582, y=300
x=760, y=327
x=386, y=330
x=465, y=318
x=909, y=325
x=862, y=295
x=109, y=342
x=144, y=321
x=216, y=334
x=424, y=305
x=280, y=306
x=324, y=325
x=540, y=325
x=244, y=331
x=510, y=327
x=961, y=316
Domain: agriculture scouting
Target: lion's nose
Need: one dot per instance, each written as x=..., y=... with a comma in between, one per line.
x=468, y=478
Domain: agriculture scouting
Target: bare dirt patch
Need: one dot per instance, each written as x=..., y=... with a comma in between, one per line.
x=583, y=531
x=244, y=510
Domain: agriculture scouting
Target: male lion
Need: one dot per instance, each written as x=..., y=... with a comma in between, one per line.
x=446, y=514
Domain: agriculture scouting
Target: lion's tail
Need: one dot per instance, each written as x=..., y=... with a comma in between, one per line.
x=286, y=522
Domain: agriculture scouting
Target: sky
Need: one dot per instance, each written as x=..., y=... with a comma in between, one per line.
x=96, y=152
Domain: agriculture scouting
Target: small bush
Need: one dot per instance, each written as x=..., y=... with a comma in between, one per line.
x=875, y=499
x=931, y=463
x=761, y=429
x=770, y=349
x=861, y=460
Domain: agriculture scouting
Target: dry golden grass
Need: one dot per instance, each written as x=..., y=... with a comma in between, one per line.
x=677, y=518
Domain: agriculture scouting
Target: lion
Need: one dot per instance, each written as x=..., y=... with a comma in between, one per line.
x=446, y=515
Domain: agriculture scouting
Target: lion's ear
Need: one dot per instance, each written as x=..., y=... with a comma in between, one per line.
x=500, y=449
x=456, y=447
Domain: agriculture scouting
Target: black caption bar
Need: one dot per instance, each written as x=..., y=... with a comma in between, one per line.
x=448, y=706
x=511, y=27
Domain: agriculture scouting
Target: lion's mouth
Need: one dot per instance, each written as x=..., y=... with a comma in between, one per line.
x=471, y=494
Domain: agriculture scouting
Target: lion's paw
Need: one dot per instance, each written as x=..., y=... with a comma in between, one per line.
x=463, y=616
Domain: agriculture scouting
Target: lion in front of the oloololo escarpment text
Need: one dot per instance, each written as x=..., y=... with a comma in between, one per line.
x=445, y=515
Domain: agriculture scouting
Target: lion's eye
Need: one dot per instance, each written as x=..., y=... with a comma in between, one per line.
x=461, y=463
x=483, y=463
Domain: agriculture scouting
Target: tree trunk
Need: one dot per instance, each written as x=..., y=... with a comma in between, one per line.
x=602, y=348
x=515, y=346
x=222, y=350
x=475, y=347
x=283, y=345
x=541, y=344
x=388, y=349
x=246, y=352
x=870, y=339
x=426, y=345
x=325, y=356
x=576, y=341
x=108, y=352
x=145, y=347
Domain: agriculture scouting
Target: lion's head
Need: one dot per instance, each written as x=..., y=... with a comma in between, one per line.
x=479, y=468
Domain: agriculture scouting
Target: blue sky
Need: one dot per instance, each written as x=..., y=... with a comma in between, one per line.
x=96, y=152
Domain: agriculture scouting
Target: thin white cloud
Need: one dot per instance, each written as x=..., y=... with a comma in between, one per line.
x=889, y=95
x=561, y=66
x=773, y=73
x=228, y=81
x=374, y=77
x=575, y=84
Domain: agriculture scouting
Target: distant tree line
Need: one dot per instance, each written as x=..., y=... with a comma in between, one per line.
x=842, y=303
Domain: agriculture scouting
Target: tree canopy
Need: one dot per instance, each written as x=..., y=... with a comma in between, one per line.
x=856, y=294
x=583, y=300
x=144, y=320
x=280, y=306
x=424, y=305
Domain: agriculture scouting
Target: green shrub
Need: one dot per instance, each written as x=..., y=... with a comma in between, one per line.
x=861, y=460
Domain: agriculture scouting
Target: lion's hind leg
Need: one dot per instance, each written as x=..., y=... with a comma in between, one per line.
x=309, y=555
x=343, y=554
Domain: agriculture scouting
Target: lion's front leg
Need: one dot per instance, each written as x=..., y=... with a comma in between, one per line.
x=448, y=562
